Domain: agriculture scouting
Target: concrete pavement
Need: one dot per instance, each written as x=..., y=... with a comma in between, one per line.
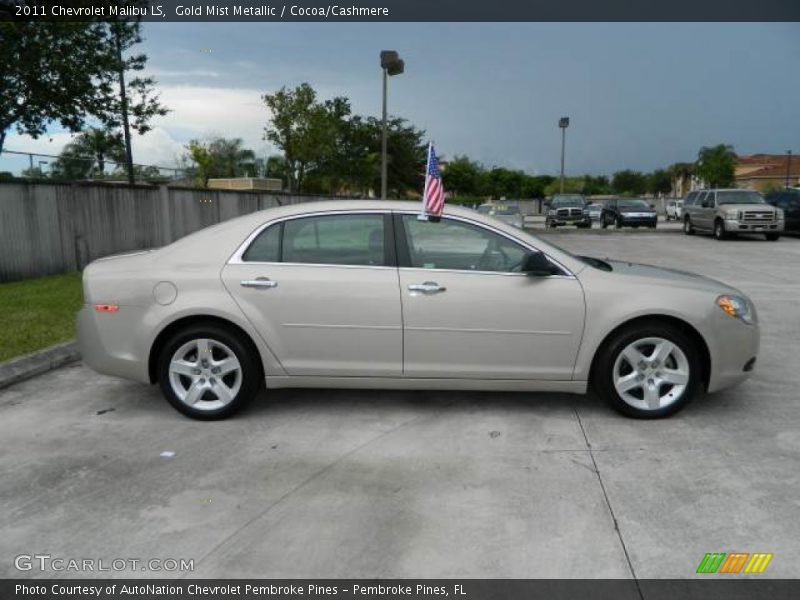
x=314, y=483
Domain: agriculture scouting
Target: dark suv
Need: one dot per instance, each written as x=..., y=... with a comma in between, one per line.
x=789, y=201
x=567, y=209
x=628, y=212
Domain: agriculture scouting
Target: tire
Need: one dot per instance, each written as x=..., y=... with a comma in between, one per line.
x=682, y=364
x=687, y=226
x=719, y=230
x=206, y=391
x=617, y=223
x=548, y=224
x=603, y=223
x=772, y=237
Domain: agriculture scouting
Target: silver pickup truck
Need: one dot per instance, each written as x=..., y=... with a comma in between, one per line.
x=726, y=212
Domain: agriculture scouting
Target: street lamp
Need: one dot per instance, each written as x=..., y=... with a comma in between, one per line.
x=391, y=64
x=563, y=123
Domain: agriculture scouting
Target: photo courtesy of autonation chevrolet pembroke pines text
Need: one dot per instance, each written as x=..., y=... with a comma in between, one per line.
x=399, y=299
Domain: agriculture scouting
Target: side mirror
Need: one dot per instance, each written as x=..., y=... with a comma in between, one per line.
x=536, y=264
x=652, y=206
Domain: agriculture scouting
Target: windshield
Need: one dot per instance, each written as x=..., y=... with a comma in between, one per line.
x=575, y=200
x=484, y=209
x=507, y=211
x=634, y=203
x=739, y=198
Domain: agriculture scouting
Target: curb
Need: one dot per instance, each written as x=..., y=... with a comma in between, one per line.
x=29, y=365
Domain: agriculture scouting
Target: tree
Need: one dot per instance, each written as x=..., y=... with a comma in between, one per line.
x=87, y=154
x=462, y=176
x=659, y=182
x=716, y=165
x=632, y=183
x=48, y=73
x=200, y=154
x=231, y=158
x=71, y=72
x=680, y=173
x=304, y=129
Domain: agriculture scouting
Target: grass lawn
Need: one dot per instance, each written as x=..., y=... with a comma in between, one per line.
x=38, y=313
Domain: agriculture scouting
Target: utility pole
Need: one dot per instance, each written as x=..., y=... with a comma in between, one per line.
x=788, y=168
x=563, y=123
x=391, y=64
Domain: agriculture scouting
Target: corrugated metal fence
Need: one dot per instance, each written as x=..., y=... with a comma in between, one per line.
x=47, y=229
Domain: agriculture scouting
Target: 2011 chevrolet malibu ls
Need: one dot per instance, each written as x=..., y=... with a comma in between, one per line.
x=365, y=294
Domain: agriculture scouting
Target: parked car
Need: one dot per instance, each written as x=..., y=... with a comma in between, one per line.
x=674, y=208
x=567, y=209
x=726, y=212
x=364, y=294
x=789, y=202
x=594, y=211
x=628, y=212
x=507, y=214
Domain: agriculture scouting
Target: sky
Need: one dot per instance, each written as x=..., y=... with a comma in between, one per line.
x=639, y=95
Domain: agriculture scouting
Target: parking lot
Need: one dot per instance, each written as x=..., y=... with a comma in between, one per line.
x=339, y=483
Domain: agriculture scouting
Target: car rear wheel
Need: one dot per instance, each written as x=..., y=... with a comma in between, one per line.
x=206, y=372
x=648, y=371
x=772, y=237
x=688, y=229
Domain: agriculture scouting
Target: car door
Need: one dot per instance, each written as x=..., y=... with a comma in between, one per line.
x=705, y=211
x=469, y=313
x=323, y=292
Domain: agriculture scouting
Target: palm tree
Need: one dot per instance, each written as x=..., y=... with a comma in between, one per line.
x=88, y=153
x=231, y=159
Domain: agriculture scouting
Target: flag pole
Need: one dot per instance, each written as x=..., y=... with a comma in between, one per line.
x=423, y=216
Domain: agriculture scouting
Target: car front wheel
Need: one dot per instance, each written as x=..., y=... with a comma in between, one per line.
x=719, y=230
x=207, y=372
x=688, y=229
x=648, y=371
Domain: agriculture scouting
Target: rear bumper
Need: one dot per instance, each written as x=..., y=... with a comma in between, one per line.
x=109, y=345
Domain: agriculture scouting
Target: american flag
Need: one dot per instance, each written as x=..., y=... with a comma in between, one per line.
x=433, y=196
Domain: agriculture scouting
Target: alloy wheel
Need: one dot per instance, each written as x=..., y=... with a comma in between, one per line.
x=205, y=374
x=651, y=373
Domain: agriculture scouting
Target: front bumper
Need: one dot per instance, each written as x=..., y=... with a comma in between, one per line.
x=629, y=220
x=733, y=346
x=734, y=225
x=582, y=220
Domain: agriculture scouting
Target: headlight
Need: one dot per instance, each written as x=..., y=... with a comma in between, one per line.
x=737, y=307
x=551, y=212
x=779, y=214
x=733, y=214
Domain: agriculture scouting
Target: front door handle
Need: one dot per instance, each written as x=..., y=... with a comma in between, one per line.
x=259, y=283
x=429, y=287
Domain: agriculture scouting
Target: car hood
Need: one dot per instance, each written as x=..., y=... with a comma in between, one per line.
x=746, y=207
x=672, y=277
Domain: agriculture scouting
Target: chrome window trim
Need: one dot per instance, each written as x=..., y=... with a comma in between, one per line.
x=236, y=258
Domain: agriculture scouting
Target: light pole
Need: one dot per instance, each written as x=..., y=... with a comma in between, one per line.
x=563, y=123
x=788, y=168
x=391, y=64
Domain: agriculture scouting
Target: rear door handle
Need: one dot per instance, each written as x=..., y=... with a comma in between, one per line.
x=259, y=283
x=429, y=287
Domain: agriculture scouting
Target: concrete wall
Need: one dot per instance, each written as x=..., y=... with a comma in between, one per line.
x=47, y=229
